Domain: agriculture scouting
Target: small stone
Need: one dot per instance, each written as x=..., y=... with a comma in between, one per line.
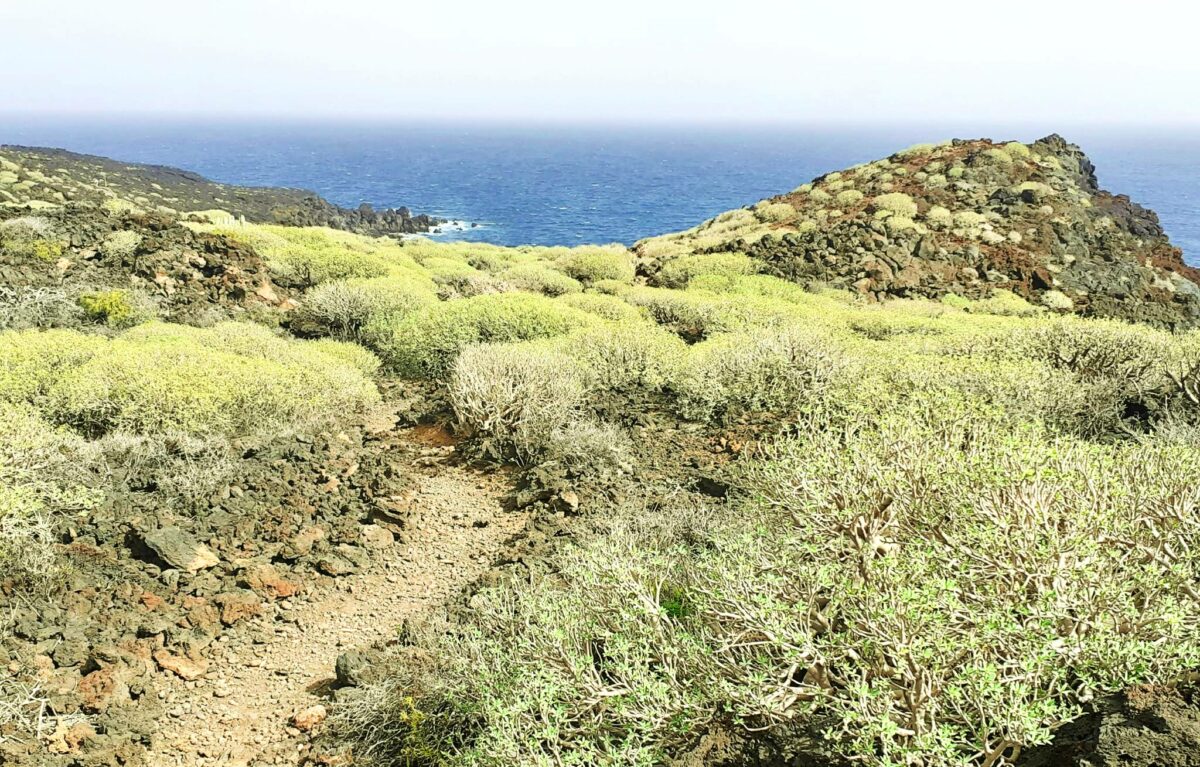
x=181, y=666
x=309, y=718
x=179, y=549
x=376, y=537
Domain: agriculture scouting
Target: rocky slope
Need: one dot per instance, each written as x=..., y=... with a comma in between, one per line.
x=962, y=217
x=42, y=178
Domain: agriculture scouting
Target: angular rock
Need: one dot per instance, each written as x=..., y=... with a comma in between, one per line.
x=179, y=549
x=182, y=666
x=266, y=581
x=238, y=605
x=309, y=718
x=376, y=537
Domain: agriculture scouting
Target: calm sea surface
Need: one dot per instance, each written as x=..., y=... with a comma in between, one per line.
x=569, y=185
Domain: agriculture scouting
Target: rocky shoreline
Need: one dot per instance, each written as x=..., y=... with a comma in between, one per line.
x=41, y=177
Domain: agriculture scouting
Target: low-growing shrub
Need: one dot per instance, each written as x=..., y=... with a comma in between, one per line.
x=115, y=308
x=344, y=308
x=677, y=273
x=602, y=305
x=424, y=344
x=624, y=355
x=536, y=278
x=25, y=307
x=515, y=396
x=776, y=371
x=896, y=203
x=121, y=245
x=590, y=265
x=30, y=237
x=159, y=379
x=775, y=212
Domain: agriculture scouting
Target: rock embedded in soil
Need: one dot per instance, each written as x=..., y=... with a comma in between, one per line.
x=179, y=549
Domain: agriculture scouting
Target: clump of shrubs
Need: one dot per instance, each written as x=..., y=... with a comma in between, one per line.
x=895, y=203
x=343, y=309
x=30, y=237
x=677, y=273
x=539, y=279
x=425, y=343
x=590, y=265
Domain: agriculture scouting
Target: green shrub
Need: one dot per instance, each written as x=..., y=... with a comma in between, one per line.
x=344, y=308
x=677, y=273
x=229, y=380
x=307, y=257
x=31, y=361
x=601, y=305
x=42, y=475
x=590, y=265
x=121, y=245
x=424, y=344
x=115, y=308
x=849, y=198
x=775, y=212
x=30, y=237
x=536, y=278
x=777, y=371
x=622, y=355
x=515, y=396
x=896, y=203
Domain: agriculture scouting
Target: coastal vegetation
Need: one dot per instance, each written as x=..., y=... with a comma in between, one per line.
x=927, y=521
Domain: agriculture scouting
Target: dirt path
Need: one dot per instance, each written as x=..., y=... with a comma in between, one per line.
x=239, y=714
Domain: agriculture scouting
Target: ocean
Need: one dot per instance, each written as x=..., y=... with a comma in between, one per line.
x=566, y=185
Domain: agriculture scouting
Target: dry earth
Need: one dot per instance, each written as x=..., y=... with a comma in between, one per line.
x=240, y=713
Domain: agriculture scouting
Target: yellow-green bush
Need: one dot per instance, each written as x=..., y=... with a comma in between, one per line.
x=424, y=344
x=590, y=265
x=306, y=257
x=677, y=273
x=775, y=212
x=601, y=305
x=115, y=308
x=229, y=380
x=896, y=203
x=777, y=371
x=31, y=361
x=42, y=475
x=343, y=308
x=623, y=355
x=536, y=278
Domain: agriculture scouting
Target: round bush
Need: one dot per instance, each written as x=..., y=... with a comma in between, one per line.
x=424, y=344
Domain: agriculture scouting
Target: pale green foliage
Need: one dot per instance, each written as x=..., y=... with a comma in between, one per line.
x=896, y=203
x=939, y=217
x=30, y=237
x=230, y=379
x=42, y=474
x=968, y=219
x=424, y=344
x=624, y=355
x=539, y=279
x=677, y=273
x=934, y=595
x=775, y=212
x=121, y=245
x=307, y=257
x=344, y=308
x=776, y=370
x=849, y=198
x=590, y=265
x=602, y=305
x=516, y=396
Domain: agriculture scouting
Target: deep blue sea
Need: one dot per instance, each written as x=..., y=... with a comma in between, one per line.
x=577, y=184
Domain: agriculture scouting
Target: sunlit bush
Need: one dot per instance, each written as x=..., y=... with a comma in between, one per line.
x=344, y=308
x=424, y=344
x=592, y=264
x=515, y=397
x=677, y=273
x=536, y=278
x=601, y=305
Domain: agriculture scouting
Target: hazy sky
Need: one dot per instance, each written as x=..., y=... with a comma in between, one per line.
x=628, y=60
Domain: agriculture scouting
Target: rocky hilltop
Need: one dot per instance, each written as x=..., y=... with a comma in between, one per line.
x=964, y=218
x=44, y=178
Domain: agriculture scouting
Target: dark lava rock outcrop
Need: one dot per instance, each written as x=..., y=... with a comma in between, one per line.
x=962, y=217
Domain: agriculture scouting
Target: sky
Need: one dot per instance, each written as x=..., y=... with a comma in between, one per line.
x=620, y=60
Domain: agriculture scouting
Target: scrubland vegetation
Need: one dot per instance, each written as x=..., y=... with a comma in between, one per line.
x=964, y=520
